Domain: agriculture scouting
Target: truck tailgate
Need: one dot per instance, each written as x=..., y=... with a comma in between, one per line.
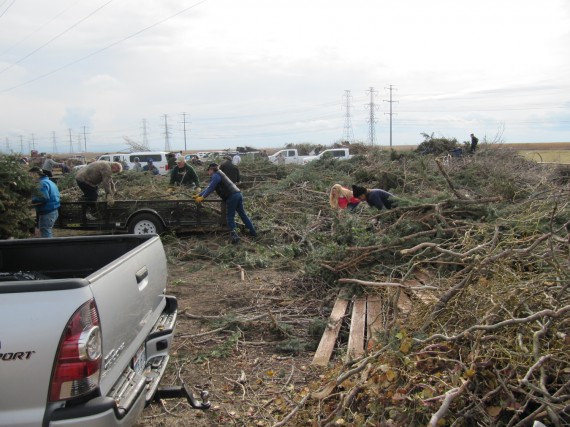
x=31, y=325
x=129, y=294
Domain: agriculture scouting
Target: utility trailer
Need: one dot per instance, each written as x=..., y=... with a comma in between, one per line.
x=144, y=216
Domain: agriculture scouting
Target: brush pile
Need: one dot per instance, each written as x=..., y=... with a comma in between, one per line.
x=473, y=268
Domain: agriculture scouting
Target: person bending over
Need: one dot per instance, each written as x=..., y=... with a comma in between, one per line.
x=231, y=195
x=374, y=197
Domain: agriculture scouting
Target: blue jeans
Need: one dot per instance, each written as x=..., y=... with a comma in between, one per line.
x=234, y=204
x=46, y=222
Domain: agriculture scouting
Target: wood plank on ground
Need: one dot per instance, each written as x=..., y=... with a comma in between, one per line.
x=373, y=319
x=326, y=346
x=357, y=326
x=404, y=304
x=424, y=295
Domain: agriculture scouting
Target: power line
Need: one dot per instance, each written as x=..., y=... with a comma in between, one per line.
x=6, y=10
x=37, y=29
x=83, y=58
x=56, y=37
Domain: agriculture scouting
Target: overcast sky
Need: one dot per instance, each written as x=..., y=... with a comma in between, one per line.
x=264, y=73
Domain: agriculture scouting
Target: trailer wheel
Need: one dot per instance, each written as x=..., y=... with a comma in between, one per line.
x=145, y=223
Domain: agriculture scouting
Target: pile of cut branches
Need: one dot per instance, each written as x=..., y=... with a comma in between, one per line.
x=479, y=246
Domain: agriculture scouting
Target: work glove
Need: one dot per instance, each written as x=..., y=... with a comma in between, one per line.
x=110, y=201
x=198, y=189
x=199, y=199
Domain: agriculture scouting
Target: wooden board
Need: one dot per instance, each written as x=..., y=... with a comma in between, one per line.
x=404, y=304
x=373, y=318
x=424, y=295
x=357, y=326
x=326, y=346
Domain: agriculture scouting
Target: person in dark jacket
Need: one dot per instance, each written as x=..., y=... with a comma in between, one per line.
x=46, y=201
x=231, y=195
x=150, y=167
x=171, y=161
x=374, y=197
x=474, y=142
x=184, y=174
x=231, y=170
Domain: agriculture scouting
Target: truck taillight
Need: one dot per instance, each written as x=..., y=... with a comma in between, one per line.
x=78, y=361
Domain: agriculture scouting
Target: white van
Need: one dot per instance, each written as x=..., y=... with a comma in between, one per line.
x=158, y=159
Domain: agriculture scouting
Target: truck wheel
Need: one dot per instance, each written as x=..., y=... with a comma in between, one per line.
x=145, y=224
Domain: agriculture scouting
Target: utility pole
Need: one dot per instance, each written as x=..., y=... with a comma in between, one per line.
x=79, y=142
x=390, y=88
x=145, y=134
x=372, y=120
x=54, y=143
x=166, y=134
x=33, y=142
x=70, y=142
x=348, y=135
x=85, y=138
x=184, y=122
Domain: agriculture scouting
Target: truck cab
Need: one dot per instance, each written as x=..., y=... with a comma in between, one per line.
x=331, y=153
x=283, y=157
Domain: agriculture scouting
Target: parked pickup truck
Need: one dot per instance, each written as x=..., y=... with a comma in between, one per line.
x=288, y=156
x=85, y=330
x=332, y=153
x=144, y=216
x=291, y=155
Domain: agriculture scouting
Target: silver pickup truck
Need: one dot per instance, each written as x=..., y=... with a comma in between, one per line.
x=85, y=330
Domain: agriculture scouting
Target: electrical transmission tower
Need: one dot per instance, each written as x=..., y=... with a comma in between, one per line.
x=70, y=142
x=184, y=123
x=54, y=142
x=145, y=135
x=348, y=135
x=166, y=134
x=372, y=120
x=85, y=138
x=390, y=88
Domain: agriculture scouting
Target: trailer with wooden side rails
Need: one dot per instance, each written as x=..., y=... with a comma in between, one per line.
x=143, y=216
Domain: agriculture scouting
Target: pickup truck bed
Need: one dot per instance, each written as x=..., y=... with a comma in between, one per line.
x=92, y=307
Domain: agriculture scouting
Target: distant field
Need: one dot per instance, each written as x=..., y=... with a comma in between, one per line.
x=547, y=156
x=547, y=152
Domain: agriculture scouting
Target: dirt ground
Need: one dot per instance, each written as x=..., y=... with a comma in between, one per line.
x=231, y=328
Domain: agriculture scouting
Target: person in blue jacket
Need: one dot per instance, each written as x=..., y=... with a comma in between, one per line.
x=46, y=202
x=231, y=195
x=374, y=197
